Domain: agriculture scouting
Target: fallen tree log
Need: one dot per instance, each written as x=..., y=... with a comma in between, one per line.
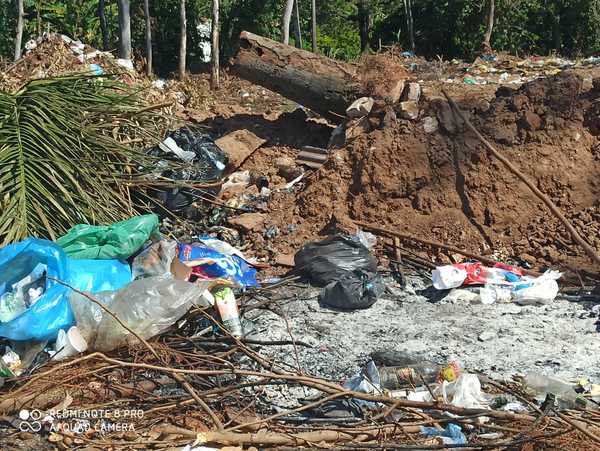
x=319, y=83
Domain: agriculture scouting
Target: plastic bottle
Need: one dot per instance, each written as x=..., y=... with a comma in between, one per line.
x=395, y=377
x=227, y=306
x=540, y=385
x=490, y=294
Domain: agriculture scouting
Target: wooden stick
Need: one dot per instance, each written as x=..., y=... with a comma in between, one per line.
x=406, y=236
x=545, y=199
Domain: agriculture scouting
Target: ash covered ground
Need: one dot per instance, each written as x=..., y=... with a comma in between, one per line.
x=501, y=340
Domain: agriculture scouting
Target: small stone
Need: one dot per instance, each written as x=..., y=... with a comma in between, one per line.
x=249, y=222
x=396, y=91
x=430, y=124
x=409, y=110
x=528, y=258
x=486, y=335
x=287, y=168
x=360, y=107
x=412, y=92
x=530, y=121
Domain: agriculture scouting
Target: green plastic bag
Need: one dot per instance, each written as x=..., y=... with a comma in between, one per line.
x=119, y=240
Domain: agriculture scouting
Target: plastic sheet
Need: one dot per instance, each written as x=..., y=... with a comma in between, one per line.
x=52, y=312
x=147, y=306
x=119, y=240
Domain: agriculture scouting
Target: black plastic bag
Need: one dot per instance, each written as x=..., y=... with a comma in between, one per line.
x=358, y=290
x=346, y=269
x=332, y=259
x=207, y=165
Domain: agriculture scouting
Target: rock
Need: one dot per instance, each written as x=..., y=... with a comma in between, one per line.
x=528, y=258
x=239, y=145
x=360, y=107
x=430, y=124
x=287, y=168
x=249, y=222
x=412, y=92
x=486, y=335
x=285, y=260
x=519, y=102
x=530, y=121
x=396, y=91
x=409, y=110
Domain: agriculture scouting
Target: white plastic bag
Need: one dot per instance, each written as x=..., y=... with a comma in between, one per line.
x=543, y=290
x=446, y=277
x=464, y=392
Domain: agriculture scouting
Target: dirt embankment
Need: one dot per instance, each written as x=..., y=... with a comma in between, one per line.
x=443, y=185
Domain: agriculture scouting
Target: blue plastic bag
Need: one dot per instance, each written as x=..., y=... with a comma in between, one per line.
x=52, y=312
x=210, y=264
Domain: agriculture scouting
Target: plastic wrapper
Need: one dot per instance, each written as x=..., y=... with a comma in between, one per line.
x=119, y=240
x=155, y=260
x=147, y=306
x=209, y=264
x=51, y=311
x=540, y=290
x=463, y=274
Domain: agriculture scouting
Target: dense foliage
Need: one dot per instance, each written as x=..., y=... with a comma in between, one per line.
x=441, y=27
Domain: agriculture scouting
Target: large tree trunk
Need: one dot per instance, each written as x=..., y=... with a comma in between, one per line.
x=182, y=39
x=103, y=24
x=124, y=29
x=409, y=24
x=214, y=35
x=297, y=32
x=364, y=24
x=489, y=28
x=285, y=23
x=148, y=38
x=314, y=25
x=19, y=31
x=325, y=86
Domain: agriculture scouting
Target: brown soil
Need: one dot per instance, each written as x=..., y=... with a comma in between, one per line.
x=444, y=186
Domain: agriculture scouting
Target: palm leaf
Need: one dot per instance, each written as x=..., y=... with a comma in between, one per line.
x=59, y=166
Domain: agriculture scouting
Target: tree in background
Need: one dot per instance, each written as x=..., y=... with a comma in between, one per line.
x=487, y=48
x=182, y=39
x=103, y=24
x=148, y=38
x=19, y=32
x=285, y=22
x=214, y=38
x=124, y=29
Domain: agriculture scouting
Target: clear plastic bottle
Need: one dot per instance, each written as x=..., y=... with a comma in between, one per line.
x=395, y=377
x=540, y=385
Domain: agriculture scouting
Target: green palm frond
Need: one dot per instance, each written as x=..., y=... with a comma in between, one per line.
x=59, y=163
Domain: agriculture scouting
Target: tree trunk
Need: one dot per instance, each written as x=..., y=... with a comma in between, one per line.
x=314, y=26
x=409, y=24
x=103, y=24
x=182, y=39
x=364, y=24
x=214, y=36
x=489, y=28
x=297, y=32
x=324, y=85
x=19, y=31
x=285, y=23
x=124, y=29
x=148, y=38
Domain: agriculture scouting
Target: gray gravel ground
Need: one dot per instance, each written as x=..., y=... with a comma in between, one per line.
x=500, y=339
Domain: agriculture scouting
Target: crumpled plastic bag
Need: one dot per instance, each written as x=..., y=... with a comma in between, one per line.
x=52, y=312
x=119, y=240
x=345, y=267
x=147, y=306
x=155, y=260
x=464, y=392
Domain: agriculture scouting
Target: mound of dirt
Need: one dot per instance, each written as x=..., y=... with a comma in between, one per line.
x=444, y=186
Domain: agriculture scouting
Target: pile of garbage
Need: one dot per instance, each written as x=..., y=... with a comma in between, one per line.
x=54, y=55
